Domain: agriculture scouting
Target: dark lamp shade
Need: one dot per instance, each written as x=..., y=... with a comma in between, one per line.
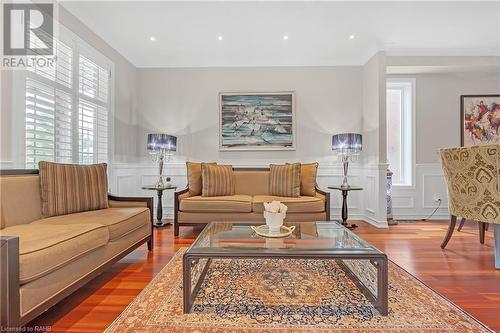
x=347, y=143
x=163, y=142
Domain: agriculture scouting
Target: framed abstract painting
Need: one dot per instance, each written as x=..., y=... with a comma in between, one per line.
x=257, y=121
x=480, y=119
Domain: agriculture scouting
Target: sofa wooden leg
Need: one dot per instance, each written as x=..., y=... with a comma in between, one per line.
x=451, y=228
x=482, y=229
x=150, y=245
x=176, y=229
x=462, y=222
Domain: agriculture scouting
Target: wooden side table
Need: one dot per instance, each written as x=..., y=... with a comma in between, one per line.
x=159, y=209
x=345, y=192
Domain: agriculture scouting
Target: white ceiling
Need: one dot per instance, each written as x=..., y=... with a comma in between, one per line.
x=186, y=32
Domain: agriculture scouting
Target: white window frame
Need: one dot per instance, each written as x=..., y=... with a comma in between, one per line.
x=408, y=128
x=19, y=78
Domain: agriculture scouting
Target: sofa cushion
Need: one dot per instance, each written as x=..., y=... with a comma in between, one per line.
x=251, y=182
x=217, y=180
x=308, y=172
x=284, y=180
x=194, y=177
x=44, y=248
x=238, y=203
x=304, y=204
x=68, y=188
x=19, y=200
x=120, y=221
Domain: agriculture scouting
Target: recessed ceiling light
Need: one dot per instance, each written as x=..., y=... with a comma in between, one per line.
x=152, y=38
x=285, y=37
x=352, y=36
x=219, y=38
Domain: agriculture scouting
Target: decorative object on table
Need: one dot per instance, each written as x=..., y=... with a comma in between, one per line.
x=347, y=146
x=345, y=192
x=161, y=147
x=479, y=119
x=388, y=188
x=257, y=121
x=274, y=213
x=265, y=231
x=483, y=203
x=159, y=209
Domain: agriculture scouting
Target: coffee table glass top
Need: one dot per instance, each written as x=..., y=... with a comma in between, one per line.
x=308, y=237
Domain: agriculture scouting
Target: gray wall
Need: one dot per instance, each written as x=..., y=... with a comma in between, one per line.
x=438, y=107
x=184, y=102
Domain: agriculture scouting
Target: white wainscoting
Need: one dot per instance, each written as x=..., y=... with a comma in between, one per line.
x=127, y=180
x=419, y=201
x=375, y=195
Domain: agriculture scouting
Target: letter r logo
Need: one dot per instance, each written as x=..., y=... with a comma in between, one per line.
x=28, y=29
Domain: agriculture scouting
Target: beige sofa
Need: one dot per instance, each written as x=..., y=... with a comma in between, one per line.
x=43, y=260
x=246, y=205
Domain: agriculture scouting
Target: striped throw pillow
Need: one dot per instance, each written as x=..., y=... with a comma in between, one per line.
x=217, y=180
x=69, y=188
x=284, y=180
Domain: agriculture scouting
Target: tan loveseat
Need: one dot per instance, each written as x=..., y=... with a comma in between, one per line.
x=43, y=260
x=246, y=205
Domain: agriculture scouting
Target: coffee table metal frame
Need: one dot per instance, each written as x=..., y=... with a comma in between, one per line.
x=193, y=256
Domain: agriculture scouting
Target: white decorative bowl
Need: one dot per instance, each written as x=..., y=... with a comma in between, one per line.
x=274, y=221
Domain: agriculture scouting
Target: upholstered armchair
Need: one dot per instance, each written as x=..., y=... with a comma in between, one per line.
x=472, y=175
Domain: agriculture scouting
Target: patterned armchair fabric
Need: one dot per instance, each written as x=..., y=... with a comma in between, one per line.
x=472, y=175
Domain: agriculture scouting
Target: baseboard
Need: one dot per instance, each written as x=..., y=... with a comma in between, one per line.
x=419, y=217
x=376, y=223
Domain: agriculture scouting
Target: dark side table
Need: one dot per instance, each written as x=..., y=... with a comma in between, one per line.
x=159, y=208
x=345, y=192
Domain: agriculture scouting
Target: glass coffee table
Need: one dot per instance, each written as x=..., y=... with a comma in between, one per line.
x=365, y=265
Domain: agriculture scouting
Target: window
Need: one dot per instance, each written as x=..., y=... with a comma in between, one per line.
x=400, y=110
x=67, y=107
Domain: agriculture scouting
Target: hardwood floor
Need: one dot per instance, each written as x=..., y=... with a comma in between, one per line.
x=464, y=272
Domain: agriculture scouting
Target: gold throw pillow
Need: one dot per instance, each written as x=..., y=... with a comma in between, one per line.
x=217, y=180
x=308, y=174
x=284, y=180
x=70, y=188
x=194, y=178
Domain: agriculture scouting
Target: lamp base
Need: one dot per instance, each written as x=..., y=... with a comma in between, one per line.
x=345, y=160
x=161, y=223
x=349, y=225
x=160, y=183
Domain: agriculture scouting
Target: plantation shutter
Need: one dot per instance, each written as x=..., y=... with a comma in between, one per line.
x=93, y=111
x=67, y=106
x=48, y=124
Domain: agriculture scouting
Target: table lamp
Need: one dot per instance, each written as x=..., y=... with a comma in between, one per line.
x=161, y=147
x=347, y=146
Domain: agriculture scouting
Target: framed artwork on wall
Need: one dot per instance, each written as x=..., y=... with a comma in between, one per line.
x=257, y=121
x=479, y=119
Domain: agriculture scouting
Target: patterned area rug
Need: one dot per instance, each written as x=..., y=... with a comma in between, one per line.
x=276, y=295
